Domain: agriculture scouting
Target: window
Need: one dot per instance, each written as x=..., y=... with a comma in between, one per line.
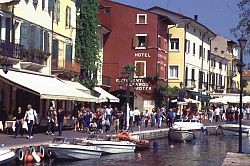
x=204, y=53
x=193, y=48
x=165, y=45
x=158, y=69
x=187, y=46
x=140, y=68
x=208, y=55
x=140, y=41
x=187, y=26
x=165, y=72
x=55, y=48
x=200, y=51
x=68, y=17
x=173, y=71
x=43, y=4
x=193, y=75
x=159, y=42
x=174, y=44
x=141, y=19
x=57, y=11
x=220, y=65
x=194, y=30
x=68, y=52
x=107, y=10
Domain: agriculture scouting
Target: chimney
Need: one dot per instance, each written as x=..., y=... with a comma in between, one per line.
x=195, y=17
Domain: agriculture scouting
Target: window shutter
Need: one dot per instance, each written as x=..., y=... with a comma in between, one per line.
x=43, y=4
x=24, y=35
x=146, y=41
x=37, y=37
x=41, y=40
x=50, y=5
x=55, y=49
x=48, y=43
x=69, y=17
x=32, y=36
x=67, y=21
x=135, y=41
x=0, y=27
x=7, y=34
x=142, y=69
x=68, y=52
x=58, y=11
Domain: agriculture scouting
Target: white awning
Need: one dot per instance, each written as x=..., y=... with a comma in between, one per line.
x=45, y=86
x=105, y=94
x=77, y=86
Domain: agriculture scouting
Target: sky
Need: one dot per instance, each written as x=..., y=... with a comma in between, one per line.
x=218, y=15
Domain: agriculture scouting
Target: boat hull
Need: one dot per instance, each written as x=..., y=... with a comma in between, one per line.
x=181, y=135
x=113, y=148
x=74, y=153
x=233, y=130
x=6, y=156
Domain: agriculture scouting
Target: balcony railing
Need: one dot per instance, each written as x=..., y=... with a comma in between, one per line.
x=190, y=84
x=65, y=65
x=35, y=56
x=106, y=81
x=10, y=1
x=11, y=50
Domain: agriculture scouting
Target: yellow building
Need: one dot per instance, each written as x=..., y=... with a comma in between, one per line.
x=64, y=34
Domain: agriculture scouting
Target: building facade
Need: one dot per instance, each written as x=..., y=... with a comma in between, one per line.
x=139, y=39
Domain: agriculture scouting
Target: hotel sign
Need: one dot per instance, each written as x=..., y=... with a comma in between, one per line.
x=143, y=55
x=140, y=83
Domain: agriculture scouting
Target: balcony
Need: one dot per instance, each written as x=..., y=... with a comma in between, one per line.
x=14, y=52
x=34, y=59
x=12, y=2
x=190, y=84
x=106, y=81
x=61, y=66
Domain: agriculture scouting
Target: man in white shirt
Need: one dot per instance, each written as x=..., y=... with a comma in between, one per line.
x=109, y=113
x=30, y=117
x=217, y=114
x=137, y=116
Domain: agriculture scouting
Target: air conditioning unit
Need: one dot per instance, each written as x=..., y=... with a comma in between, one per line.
x=35, y=2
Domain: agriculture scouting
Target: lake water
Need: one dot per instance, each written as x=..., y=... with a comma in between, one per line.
x=207, y=151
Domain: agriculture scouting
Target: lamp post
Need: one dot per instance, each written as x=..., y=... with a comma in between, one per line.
x=242, y=43
x=5, y=66
x=127, y=81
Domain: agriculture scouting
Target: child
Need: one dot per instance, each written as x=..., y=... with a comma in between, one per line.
x=107, y=123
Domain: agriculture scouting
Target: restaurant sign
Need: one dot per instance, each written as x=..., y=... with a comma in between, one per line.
x=140, y=83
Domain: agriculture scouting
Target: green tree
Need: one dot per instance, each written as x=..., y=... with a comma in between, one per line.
x=87, y=48
x=243, y=28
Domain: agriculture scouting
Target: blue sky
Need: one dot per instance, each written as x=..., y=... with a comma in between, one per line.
x=217, y=15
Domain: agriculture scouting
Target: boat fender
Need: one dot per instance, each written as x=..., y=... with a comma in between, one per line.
x=32, y=149
x=41, y=151
x=19, y=154
x=28, y=158
x=36, y=157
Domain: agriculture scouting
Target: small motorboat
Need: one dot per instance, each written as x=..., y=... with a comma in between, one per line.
x=110, y=145
x=180, y=135
x=139, y=143
x=189, y=125
x=6, y=155
x=233, y=129
x=73, y=149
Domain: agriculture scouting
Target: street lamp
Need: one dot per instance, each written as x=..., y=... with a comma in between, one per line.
x=242, y=43
x=5, y=66
x=128, y=83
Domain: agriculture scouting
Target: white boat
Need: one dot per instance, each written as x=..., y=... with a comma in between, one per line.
x=73, y=149
x=233, y=129
x=6, y=155
x=180, y=135
x=111, y=146
x=191, y=125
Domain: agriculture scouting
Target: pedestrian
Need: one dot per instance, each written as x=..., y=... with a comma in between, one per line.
x=131, y=119
x=116, y=119
x=19, y=121
x=147, y=118
x=236, y=115
x=99, y=119
x=152, y=119
x=51, y=116
x=170, y=117
x=160, y=116
x=210, y=114
x=87, y=119
x=60, y=119
x=30, y=117
x=107, y=125
x=248, y=112
x=109, y=112
x=121, y=120
x=136, y=116
x=217, y=113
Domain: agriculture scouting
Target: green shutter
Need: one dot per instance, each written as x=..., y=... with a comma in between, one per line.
x=67, y=24
x=24, y=35
x=7, y=34
x=69, y=17
x=0, y=27
x=68, y=52
x=55, y=49
x=58, y=11
x=37, y=37
x=41, y=40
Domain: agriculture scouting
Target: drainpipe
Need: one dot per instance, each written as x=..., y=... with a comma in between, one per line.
x=184, y=54
x=168, y=48
x=52, y=35
x=209, y=63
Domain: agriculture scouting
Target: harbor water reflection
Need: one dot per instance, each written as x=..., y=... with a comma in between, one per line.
x=207, y=151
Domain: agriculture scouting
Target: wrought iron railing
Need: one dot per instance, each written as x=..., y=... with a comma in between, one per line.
x=65, y=65
x=11, y=50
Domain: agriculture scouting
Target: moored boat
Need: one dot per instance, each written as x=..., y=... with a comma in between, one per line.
x=110, y=145
x=233, y=129
x=73, y=149
x=180, y=135
x=139, y=143
x=6, y=155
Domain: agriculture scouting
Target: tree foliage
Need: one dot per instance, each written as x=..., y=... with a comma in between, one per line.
x=165, y=91
x=243, y=28
x=87, y=48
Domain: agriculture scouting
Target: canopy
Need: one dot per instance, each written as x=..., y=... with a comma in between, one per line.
x=218, y=101
x=78, y=86
x=45, y=86
x=105, y=94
